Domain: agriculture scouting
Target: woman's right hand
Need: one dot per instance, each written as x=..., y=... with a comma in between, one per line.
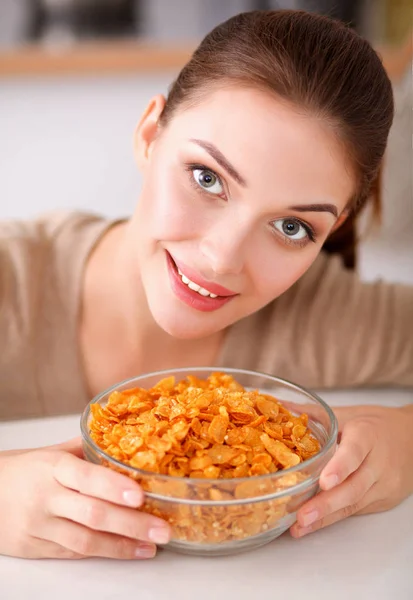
x=54, y=504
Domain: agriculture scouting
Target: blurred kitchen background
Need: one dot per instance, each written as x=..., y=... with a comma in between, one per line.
x=75, y=76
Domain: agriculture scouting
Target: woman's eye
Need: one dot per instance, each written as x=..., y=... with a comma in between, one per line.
x=292, y=228
x=208, y=181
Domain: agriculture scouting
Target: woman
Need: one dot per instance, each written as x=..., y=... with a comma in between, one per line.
x=270, y=142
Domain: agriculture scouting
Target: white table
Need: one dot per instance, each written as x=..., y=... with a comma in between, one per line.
x=363, y=558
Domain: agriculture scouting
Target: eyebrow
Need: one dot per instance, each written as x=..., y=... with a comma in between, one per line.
x=221, y=160
x=225, y=164
x=331, y=208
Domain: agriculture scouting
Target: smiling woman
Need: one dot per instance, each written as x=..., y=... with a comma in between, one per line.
x=222, y=195
x=269, y=143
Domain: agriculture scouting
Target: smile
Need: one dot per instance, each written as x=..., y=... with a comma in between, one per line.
x=203, y=296
x=195, y=287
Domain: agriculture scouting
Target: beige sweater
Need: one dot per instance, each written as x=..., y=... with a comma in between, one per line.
x=328, y=330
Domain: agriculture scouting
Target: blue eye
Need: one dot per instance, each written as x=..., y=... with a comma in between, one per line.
x=208, y=180
x=291, y=228
x=295, y=231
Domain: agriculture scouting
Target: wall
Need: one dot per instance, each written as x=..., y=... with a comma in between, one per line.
x=68, y=143
x=388, y=252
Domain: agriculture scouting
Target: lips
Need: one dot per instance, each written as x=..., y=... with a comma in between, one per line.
x=191, y=297
x=219, y=290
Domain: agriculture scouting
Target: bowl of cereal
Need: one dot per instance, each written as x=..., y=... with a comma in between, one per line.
x=226, y=457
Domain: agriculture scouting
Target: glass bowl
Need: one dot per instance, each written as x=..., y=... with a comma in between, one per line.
x=226, y=516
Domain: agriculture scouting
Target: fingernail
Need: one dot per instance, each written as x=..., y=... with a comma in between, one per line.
x=301, y=531
x=309, y=518
x=143, y=551
x=330, y=482
x=159, y=535
x=133, y=497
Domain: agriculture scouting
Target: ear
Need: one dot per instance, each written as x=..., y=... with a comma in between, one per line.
x=147, y=130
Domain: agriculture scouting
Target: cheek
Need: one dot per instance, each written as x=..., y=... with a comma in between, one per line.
x=170, y=208
x=275, y=269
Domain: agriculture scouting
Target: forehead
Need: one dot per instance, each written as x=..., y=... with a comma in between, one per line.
x=268, y=139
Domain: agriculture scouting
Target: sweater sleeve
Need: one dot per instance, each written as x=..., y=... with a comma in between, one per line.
x=331, y=330
x=41, y=265
x=21, y=249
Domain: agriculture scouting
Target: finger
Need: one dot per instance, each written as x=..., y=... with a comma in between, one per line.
x=348, y=413
x=345, y=498
x=378, y=503
x=39, y=548
x=74, y=446
x=297, y=531
x=96, y=480
x=86, y=542
x=345, y=414
x=99, y=515
x=357, y=440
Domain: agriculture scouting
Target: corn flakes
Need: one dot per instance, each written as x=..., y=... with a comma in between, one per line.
x=212, y=430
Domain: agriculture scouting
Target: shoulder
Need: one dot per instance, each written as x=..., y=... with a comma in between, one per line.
x=31, y=251
x=25, y=243
x=20, y=235
x=45, y=228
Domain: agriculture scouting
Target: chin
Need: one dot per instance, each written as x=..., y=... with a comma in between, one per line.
x=184, y=328
x=183, y=323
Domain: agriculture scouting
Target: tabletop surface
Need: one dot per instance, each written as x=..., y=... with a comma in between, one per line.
x=367, y=557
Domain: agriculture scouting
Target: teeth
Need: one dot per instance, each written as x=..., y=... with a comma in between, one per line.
x=195, y=287
x=203, y=292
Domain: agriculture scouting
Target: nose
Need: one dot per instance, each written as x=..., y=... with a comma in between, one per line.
x=225, y=248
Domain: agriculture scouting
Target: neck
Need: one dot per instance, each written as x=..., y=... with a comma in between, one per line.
x=119, y=337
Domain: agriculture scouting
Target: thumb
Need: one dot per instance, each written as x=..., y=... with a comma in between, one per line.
x=74, y=446
x=344, y=414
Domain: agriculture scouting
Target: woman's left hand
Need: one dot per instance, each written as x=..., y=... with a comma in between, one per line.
x=371, y=471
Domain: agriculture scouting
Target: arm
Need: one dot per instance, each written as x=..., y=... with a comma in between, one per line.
x=337, y=331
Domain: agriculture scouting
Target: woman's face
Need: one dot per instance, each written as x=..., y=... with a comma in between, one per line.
x=239, y=194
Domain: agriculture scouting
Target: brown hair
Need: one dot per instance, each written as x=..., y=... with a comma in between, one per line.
x=320, y=65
